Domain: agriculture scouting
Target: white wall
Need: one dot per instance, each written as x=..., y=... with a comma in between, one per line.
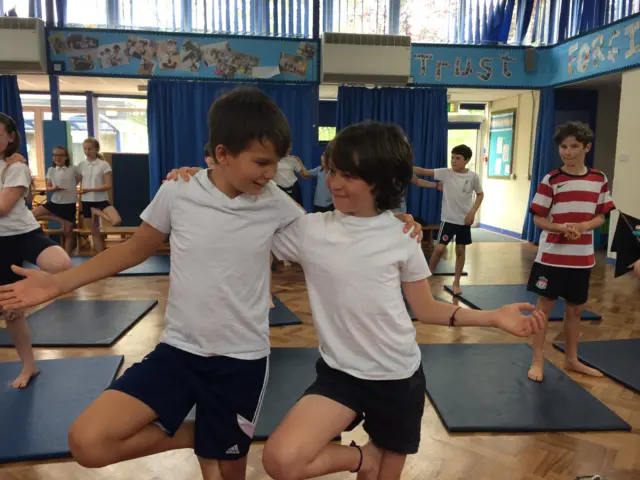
x=506, y=201
x=626, y=182
x=607, y=130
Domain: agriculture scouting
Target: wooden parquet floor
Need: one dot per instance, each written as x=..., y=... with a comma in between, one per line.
x=548, y=456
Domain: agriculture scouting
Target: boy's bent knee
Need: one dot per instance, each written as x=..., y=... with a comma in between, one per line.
x=282, y=462
x=88, y=448
x=574, y=311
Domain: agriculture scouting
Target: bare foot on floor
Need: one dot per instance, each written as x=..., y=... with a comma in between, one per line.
x=371, y=458
x=577, y=366
x=536, y=371
x=23, y=379
x=457, y=290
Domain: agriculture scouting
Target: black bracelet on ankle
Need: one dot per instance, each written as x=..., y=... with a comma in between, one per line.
x=353, y=444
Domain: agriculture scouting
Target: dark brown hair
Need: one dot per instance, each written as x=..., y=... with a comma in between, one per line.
x=207, y=151
x=380, y=155
x=246, y=114
x=581, y=131
x=463, y=151
x=11, y=128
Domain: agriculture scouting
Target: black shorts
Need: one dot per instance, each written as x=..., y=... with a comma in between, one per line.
x=391, y=409
x=571, y=284
x=65, y=211
x=226, y=392
x=87, y=206
x=17, y=249
x=319, y=209
x=450, y=230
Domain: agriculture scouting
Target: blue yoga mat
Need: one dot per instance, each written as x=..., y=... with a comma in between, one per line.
x=484, y=388
x=617, y=359
x=82, y=323
x=281, y=316
x=35, y=421
x=491, y=297
x=155, y=265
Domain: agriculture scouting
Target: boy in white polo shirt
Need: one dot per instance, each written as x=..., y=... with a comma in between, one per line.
x=458, y=208
x=214, y=349
x=370, y=366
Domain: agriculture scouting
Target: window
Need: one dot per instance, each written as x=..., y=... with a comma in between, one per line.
x=123, y=125
x=326, y=134
x=31, y=142
x=87, y=12
x=468, y=138
x=160, y=14
x=427, y=28
x=357, y=16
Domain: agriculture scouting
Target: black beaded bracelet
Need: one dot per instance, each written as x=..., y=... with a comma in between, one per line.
x=353, y=444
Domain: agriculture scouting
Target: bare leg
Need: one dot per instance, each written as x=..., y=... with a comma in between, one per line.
x=292, y=454
x=67, y=237
x=460, y=259
x=117, y=427
x=572, y=333
x=40, y=212
x=112, y=216
x=391, y=466
x=210, y=469
x=54, y=260
x=19, y=333
x=96, y=234
x=536, y=372
x=436, y=256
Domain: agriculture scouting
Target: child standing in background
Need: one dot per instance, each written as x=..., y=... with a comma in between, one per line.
x=570, y=203
x=322, y=200
x=97, y=180
x=458, y=208
x=62, y=182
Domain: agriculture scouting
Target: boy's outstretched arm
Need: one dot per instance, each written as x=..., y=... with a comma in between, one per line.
x=424, y=172
x=39, y=287
x=510, y=318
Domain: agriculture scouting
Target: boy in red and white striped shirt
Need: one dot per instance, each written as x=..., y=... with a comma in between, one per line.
x=569, y=204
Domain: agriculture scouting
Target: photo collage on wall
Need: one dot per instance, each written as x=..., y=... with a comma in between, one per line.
x=148, y=56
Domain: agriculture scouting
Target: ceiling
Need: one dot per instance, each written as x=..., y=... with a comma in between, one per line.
x=130, y=86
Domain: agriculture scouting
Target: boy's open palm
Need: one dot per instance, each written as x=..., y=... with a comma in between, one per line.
x=37, y=287
x=511, y=319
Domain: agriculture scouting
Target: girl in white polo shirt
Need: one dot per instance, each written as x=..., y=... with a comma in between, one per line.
x=62, y=181
x=97, y=180
x=21, y=239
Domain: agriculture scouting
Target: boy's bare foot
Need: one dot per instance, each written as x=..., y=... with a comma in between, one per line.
x=456, y=289
x=536, y=371
x=371, y=458
x=272, y=305
x=577, y=366
x=23, y=379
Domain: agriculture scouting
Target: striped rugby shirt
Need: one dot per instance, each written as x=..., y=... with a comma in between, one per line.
x=565, y=198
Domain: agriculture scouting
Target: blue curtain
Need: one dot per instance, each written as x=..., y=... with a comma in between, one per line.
x=177, y=123
x=422, y=114
x=543, y=155
x=11, y=105
x=525, y=12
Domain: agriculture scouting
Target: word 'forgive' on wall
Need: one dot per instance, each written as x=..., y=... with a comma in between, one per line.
x=594, y=52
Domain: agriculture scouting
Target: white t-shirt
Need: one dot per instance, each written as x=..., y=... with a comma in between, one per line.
x=64, y=177
x=354, y=268
x=20, y=219
x=286, y=174
x=457, y=197
x=220, y=265
x=93, y=172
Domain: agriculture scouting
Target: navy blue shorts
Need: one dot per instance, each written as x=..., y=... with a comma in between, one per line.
x=17, y=249
x=227, y=394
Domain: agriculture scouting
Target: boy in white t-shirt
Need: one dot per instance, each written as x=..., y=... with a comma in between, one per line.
x=458, y=208
x=370, y=365
x=214, y=350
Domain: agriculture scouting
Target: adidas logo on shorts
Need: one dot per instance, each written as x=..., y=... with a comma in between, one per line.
x=233, y=451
